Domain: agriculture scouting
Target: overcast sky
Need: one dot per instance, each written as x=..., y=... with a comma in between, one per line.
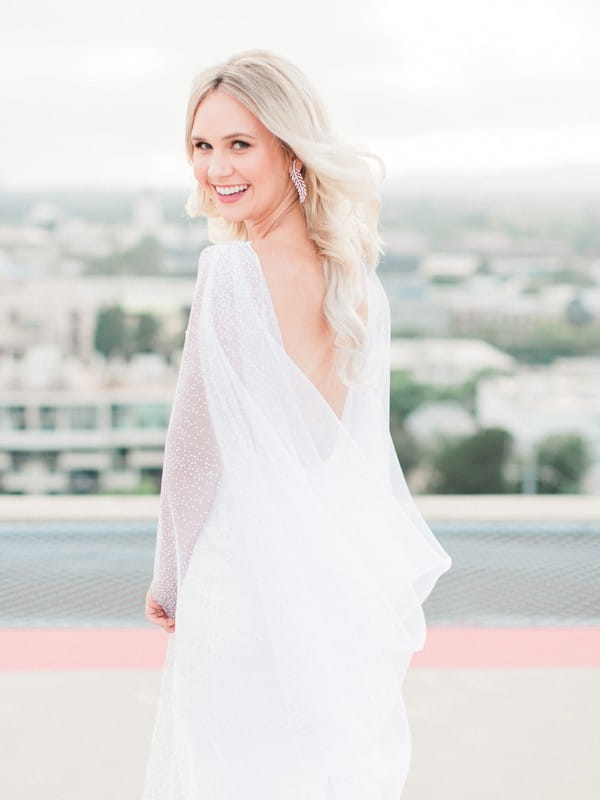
x=94, y=95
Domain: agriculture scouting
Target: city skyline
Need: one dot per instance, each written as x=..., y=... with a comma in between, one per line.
x=95, y=97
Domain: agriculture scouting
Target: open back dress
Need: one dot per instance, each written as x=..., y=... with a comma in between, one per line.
x=293, y=558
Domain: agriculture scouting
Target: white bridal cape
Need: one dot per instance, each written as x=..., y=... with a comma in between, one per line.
x=294, y=558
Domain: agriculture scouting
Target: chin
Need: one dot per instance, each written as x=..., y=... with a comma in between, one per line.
x=232, y=216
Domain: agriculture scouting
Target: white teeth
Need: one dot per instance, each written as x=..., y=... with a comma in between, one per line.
x=231, y=189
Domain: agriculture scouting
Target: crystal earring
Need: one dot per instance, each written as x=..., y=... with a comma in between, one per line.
x=298, y=181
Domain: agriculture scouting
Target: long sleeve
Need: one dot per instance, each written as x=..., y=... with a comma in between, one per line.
x=191, y=464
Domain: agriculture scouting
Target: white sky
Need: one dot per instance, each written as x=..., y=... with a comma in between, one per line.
x=94, y=95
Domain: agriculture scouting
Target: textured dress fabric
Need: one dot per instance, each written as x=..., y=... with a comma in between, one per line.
x=293, y=557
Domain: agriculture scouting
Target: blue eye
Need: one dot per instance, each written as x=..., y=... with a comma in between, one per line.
x=239, y=141
x=198, y=145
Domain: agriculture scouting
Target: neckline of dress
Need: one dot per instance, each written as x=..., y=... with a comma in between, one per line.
x=346, y=404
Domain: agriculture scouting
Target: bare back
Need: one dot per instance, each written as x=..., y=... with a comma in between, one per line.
x=297, y=286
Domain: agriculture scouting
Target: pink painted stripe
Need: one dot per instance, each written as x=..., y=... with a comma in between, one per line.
x=446, y=648
x=489, y=648
x=81, y=648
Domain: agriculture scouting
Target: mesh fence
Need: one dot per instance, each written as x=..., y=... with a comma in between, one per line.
x=66, y=574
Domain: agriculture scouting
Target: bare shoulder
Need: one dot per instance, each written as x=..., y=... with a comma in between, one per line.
x=289, y=260
x=296, y=278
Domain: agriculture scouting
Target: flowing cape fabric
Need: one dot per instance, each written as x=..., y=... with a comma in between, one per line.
x=293, y=557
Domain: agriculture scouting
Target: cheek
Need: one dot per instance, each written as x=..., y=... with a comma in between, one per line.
x=269, y=170
x=199, y=169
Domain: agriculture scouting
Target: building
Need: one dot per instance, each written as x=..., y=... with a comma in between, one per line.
x=71, y=427
x=55, y=442
x=63, y=311
x=446, y=361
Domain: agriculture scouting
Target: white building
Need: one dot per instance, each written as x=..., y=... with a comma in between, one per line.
x=446, y=361
x=446, y=419
x=455, y=265
x=70, y=427
x=54, y=442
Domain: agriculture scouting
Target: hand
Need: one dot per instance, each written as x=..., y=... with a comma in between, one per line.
x=157, y=615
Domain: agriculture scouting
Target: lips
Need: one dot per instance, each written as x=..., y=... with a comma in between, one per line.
x=234, y=192
x=234, y=188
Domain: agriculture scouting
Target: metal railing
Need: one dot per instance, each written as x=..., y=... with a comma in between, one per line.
x=78, y=572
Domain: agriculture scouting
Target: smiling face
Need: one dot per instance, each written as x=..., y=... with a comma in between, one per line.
x=238, y=161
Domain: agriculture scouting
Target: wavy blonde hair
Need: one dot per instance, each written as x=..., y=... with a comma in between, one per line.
x=343, y=200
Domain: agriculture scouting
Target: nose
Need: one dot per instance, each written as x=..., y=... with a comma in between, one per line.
x=219, y=167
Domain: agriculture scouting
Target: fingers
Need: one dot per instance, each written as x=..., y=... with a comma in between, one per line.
x=164, y=622
x=160, y=618
x=156, y=614
x=168, y=624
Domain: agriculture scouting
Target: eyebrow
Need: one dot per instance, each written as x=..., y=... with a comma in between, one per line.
x=229, y=136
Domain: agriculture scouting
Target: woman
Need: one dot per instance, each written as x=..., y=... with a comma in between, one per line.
x=291, y=560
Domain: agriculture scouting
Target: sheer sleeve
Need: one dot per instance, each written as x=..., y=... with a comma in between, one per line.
x=191, y=463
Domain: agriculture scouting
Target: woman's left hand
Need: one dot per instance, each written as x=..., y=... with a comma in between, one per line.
x=157, y=615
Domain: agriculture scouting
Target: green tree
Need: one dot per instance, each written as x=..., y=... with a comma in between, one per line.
x=472, y=465
x=405, y=395
x=146, y=333
x=111, y=332
x=563, y=459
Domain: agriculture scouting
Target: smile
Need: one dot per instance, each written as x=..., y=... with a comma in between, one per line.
x=226, y=190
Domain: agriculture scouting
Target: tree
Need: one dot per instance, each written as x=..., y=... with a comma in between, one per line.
x=111, y=332
x=146, y=333
x=577, y=313
x=405, y=395
x=472, y=465
x=563, y=459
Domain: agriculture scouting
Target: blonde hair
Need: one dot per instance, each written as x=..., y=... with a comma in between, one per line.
x=343, y=201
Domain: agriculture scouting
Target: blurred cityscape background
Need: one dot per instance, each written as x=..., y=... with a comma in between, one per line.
x=488, y=120
x=494, y=287
x=487, y=117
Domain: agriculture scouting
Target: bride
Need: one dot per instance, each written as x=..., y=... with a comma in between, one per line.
x=291, y=560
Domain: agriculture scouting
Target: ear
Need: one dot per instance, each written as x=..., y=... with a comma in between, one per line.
x=299, y=163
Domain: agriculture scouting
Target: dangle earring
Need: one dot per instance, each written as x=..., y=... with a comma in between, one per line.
x=298, y=181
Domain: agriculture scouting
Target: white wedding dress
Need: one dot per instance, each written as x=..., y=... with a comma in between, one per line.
x=294, y=558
